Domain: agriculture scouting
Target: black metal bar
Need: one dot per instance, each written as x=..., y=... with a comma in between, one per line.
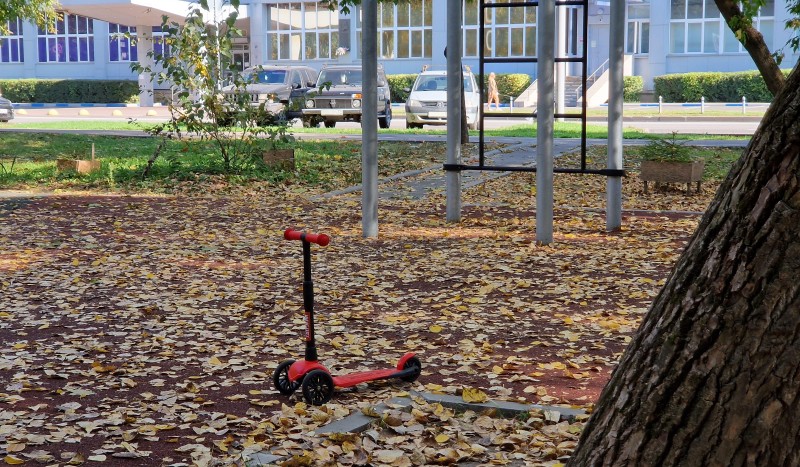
x=511, y=60
x=481, y=63
x=536, y=3
x=568, y=115
x=584, y=77
x=510, y=114
x=308, y=302
x=500, y=168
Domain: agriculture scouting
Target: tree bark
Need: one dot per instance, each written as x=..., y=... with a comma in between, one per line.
x=755, y=46
x=712, y=377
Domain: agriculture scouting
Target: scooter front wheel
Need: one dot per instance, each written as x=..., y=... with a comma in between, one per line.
x=317, y=387
x=412, y=362
x=281, y=379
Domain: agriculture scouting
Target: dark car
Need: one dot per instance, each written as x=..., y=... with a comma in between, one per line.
x=6, y=109
x=278, y=87
x=338, y=98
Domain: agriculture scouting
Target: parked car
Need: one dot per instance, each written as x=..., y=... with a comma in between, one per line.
x=6, y=109
x=427, y=100
x=338, y=98
x=278, y=87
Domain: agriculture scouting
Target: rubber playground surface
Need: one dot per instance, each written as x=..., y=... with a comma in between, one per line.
x=146, y=329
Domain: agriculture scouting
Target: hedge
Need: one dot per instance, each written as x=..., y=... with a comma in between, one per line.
x=512, y=84
x=714, y=86
x=70, y=90
x=632, y=87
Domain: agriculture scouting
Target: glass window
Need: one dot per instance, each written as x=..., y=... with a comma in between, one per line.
x=500, y=40
x=72, y=40
x=694, y=9
x=693, y=37
x=11, y=50
x=412, y=35
x=122, y=43
x=697, y=27
x=677, y=31
x=302, y=31
x=678, y=9
x=711, y=37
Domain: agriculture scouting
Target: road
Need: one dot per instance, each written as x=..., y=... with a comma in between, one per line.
x=690, y=124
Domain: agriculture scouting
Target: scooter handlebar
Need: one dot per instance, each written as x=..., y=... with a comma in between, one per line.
x=319, y=239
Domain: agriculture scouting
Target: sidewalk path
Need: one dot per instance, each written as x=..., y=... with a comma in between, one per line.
x=520, y=152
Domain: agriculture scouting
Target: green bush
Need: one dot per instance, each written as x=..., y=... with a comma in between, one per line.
x=632, y=88
x=70, y=90
x=512, y=84
x=398, y=84
x=714, y=86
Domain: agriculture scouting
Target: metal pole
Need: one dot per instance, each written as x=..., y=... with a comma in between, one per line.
x=369, y=120
x=453, y=178
x=615, y=100
x=561, y=67
x=545, y=38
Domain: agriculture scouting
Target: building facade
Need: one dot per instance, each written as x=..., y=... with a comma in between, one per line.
x=663, y=37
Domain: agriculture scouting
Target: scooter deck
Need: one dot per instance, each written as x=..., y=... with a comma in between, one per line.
x=352, y=379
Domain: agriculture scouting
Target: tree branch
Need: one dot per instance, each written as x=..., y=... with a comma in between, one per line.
x=754, y=43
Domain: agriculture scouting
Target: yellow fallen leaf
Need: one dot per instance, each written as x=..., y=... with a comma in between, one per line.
x=435, y=328
x=215, y=361
x=498, y=370
x=474, y=395
x=443, y=438
x=11, y=460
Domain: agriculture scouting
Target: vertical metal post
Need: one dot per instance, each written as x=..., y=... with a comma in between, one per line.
x=561, y=67
x=545, y=38
x=744, y=105
x=615, y=100
x=308, y=303
x=660, y=104
x=702, y=104
x=454, y=83
x=369, y=119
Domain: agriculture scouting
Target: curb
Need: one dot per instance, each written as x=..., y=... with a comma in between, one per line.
x=358, y=422
x=60, y=105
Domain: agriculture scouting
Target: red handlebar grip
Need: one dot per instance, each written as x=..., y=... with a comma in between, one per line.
x=319, y=239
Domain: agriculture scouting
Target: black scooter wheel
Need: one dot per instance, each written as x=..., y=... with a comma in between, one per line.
x=412, y=362
x=317, y=387
x=281, y=379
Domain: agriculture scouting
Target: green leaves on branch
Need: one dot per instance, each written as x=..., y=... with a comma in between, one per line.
x=210, y=99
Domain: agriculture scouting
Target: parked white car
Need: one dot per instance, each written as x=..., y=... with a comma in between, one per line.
x=427, y=101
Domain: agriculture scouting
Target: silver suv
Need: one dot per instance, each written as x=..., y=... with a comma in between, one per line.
x=337, y=97
x=278, y=87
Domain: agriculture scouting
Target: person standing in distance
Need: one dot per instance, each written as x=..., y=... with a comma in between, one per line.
x=494, y=95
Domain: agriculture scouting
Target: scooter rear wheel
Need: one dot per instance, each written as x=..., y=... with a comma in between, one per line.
x=317, y=387
x=412, y=362
x=281, y=379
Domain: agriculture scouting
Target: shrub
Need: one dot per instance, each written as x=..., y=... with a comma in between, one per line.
x=512, y=84
x=70, y=90
x=398, y=84
x=714, y=86
x=666, y=150
x=632, y=88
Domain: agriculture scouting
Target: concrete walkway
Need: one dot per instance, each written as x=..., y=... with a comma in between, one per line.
x=519, y=152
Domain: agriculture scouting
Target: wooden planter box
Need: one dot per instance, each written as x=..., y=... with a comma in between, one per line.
x=672, y=172
x=280, y=158
x=82, y=166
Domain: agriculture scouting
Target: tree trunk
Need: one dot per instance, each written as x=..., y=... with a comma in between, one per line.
x=712, y=377
x=755, y=46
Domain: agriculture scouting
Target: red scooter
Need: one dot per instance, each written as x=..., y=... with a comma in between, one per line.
x=316, y=381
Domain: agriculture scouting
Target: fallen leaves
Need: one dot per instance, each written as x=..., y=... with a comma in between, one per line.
x=148, y=328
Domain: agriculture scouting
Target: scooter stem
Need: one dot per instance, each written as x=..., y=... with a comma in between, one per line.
x=308, y=303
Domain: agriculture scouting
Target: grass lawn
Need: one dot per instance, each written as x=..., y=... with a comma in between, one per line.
x=28, y=161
